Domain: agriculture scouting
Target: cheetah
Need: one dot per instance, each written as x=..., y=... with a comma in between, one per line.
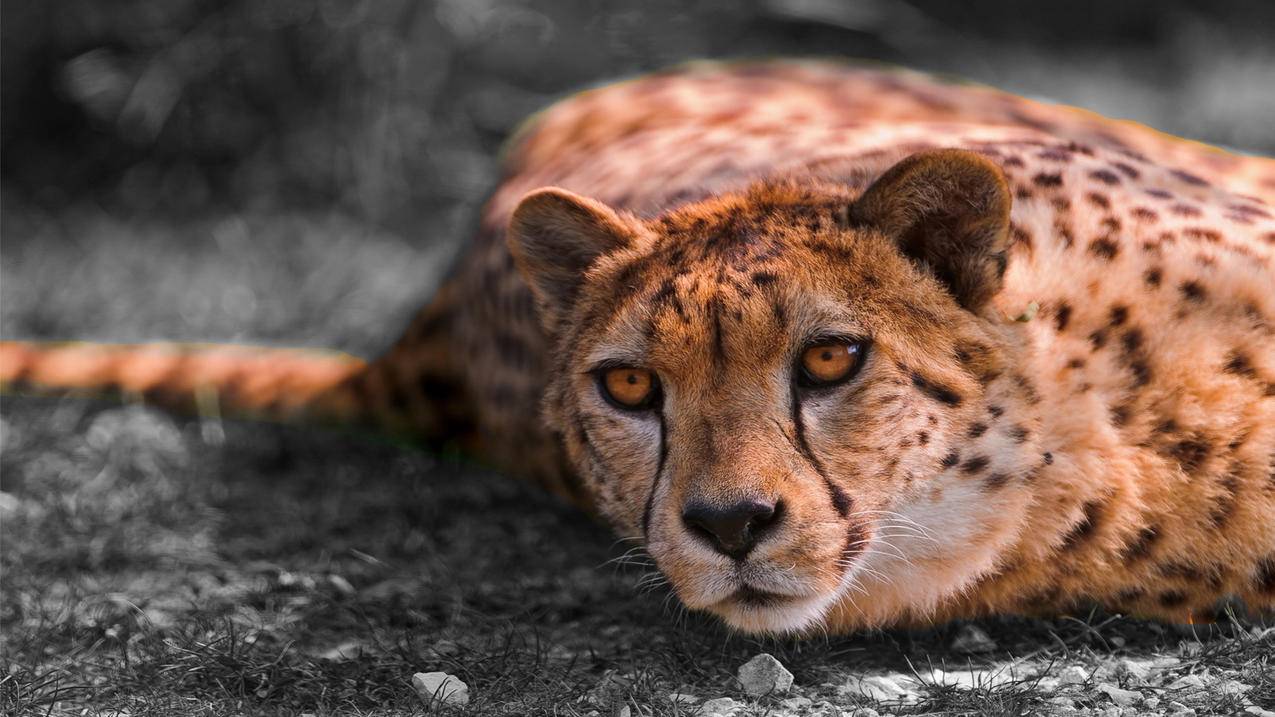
x=841, y=347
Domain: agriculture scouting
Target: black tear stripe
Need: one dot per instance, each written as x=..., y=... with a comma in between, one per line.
x=655, y=481
x=840, y=501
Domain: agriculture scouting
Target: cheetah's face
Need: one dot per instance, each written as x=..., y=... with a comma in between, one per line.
x=764, y=387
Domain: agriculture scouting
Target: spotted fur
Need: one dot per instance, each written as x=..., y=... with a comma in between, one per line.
x=1069, y=396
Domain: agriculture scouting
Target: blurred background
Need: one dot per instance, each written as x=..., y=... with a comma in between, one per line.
x=204, y=169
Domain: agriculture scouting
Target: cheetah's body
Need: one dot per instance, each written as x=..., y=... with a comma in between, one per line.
x=1103, y=431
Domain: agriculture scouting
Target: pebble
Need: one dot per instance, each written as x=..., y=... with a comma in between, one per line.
x=720, y=707
x=1122, y=697
x=764, y=675
x=882, y=688
x=796, y=703
x=1177, y=708
x=861, y=712
x=1188, y=682
x=441, y=687
x=1073, y=675
x=1133, y=670
x=972, y=640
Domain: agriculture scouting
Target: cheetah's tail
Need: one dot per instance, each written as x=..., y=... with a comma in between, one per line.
x=210, y=380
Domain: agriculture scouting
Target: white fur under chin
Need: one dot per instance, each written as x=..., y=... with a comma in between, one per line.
x=796, y=616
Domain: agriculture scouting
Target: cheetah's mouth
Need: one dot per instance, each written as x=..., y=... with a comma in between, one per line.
x=762, y=609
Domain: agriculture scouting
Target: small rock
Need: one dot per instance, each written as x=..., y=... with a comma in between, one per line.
x=624, y=711
x=720, y=707
x=1061, y=701
x=1123, y=698
x=342, y=585
x=764, y=675
x=1258, y=711
x=882, y=688
x=441, y=687
x=1133, y=670
x=972, y=640
x=1177, y=708
x=1188, y=682
x=796, y=703
x=861, y=712
x=1073, y=675
x=1151, y=703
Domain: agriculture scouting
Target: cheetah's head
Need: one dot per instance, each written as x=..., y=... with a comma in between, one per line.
x=777, y=390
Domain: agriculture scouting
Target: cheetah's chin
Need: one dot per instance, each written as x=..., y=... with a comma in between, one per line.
x=768, y=613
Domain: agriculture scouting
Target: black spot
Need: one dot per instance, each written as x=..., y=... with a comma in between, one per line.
x=1119, y=314
x=1063, y=316
x=1239, y=364
x=1172, y=598
x=1192, y=291
x=995, y=411
x=1126, y=170
x=1189, y=178
x=977, y=430
x=1105, y=176
x=923, y=437
x=1105, y=248
x=764, y=278
x=1141, y=545
x=1225, y=502
x=1085, y=527
x=942, y=394
x=1099, y=200
x=950, y=459
x=1048, y=458
x=1190, y=454
x=1098, y=339
x=975, y=464
x=1047, y=179
x=995, y=480
x=1019, y=434
x=1153, y=277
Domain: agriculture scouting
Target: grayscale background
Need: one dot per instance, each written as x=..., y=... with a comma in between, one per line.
x=300, y=172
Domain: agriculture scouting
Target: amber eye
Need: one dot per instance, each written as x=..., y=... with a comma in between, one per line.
x=829, y=362
x=628, y=388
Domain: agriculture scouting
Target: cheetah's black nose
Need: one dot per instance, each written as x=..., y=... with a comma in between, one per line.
x=733, y=529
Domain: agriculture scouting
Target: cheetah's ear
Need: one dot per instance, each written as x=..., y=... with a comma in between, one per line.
x=948, y=210
x=555, y=236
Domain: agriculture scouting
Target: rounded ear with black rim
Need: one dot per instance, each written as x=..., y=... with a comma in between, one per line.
x=555, y=236
x=948, y=210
